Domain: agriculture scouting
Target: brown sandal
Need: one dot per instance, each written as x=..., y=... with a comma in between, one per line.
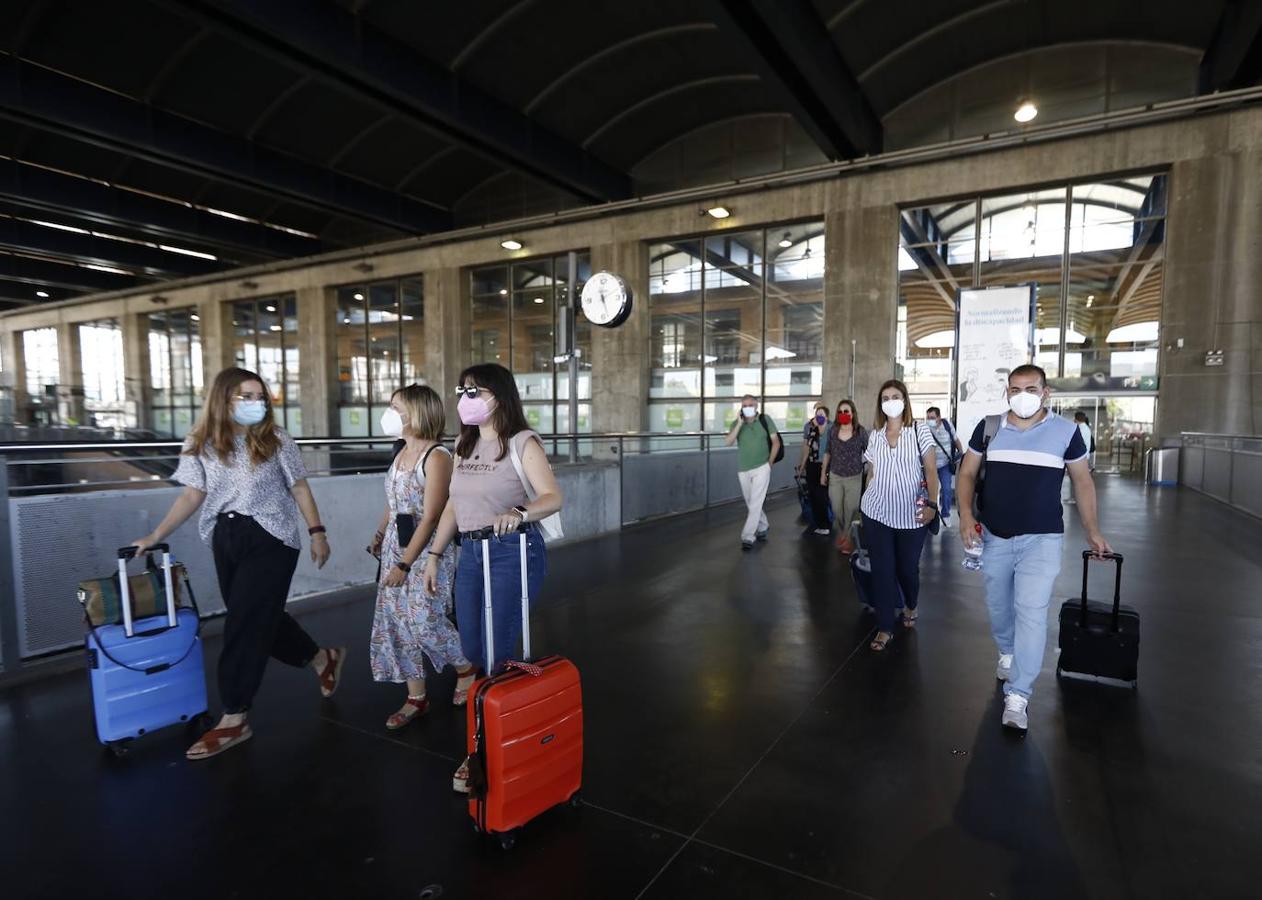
x=217, y=740
x=331, y=675
x=413, y=708
x=909, y=618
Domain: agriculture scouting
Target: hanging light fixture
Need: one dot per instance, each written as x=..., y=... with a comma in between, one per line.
x=786, y=242
x=511, y=244
x=1026, y=112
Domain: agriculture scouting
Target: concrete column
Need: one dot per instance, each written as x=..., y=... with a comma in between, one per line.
x=137, y=389
x=216, y=332
x=860, y=301
x=317, y=360
x=1213, y=297
x=620, y=356
x=70, y=386
x=448, y=339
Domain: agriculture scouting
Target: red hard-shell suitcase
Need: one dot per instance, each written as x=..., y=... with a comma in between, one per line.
x=525, y=734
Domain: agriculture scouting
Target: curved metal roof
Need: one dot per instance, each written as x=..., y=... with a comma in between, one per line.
x=247, y=131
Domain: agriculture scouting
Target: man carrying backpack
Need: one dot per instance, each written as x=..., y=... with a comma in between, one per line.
x=950, y=451
x=759, y=445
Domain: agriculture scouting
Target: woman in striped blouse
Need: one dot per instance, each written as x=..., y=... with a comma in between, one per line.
x=900, y=456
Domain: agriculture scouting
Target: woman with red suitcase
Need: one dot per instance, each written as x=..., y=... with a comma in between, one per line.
x=488, y=491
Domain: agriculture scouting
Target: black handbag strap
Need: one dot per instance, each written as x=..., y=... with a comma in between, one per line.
x=1087, y=556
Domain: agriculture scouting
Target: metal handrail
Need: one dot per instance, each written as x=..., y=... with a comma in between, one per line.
x=358, y=441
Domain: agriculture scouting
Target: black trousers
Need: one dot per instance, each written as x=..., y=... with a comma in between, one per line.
x=818, y=494
x=254, y=570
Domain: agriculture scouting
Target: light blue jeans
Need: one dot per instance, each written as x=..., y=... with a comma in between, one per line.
x=1019, y=573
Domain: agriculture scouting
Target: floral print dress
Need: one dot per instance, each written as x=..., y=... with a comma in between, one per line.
x=411, y=624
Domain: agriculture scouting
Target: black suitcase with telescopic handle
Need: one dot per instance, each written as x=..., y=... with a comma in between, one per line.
x=1099, y=640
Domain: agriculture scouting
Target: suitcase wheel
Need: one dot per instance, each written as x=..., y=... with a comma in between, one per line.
x=508, y=840
x=118, y=749
x=576, y=800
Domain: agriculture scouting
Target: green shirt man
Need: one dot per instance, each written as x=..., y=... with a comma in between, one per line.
x=757, y=441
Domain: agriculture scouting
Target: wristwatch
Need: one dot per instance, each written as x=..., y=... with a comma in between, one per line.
x=521, y=511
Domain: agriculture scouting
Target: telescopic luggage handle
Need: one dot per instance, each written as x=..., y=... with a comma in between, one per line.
x=1087, y=556
x=484, y=537
x=124, y=587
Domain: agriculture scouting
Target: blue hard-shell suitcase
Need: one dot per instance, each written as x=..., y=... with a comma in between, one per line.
x=146, y=674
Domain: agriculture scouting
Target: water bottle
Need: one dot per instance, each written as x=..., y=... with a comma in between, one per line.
x=973, y=555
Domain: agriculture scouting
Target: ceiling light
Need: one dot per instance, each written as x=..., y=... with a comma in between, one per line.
x=785, y=242
x=718, y=212
x=42, y=294
x=271, y=309
x=511, y=244
x=503, y=292
x=538, y=299
x=195, y=317
x=1026, y=112
x=359, y=296
x=275, y=328
x=346, y=321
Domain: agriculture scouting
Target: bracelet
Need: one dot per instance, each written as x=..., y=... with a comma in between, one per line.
x=438, y=553
x=402, y=565
x=317, y=529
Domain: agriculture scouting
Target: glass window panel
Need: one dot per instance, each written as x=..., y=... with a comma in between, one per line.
x=534, y=342
x=675, y=417
x=489, y=281
x=539, y=417
x=1023, y=226
x=42, y=360
x=733, y=259
x=790, y=417
x=245, y=350
x=271, y=357
x=490, y=330
x=383, y=345
x=719, y=415
x=352, y=351
x=674, y=268
x=732, y=351
x=412, y=310
x=181, y=364
x=1111, y=339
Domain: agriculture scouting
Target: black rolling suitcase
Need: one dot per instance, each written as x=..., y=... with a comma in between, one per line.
x=1099, y=640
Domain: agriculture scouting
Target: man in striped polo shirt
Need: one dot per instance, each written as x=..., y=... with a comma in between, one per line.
x=1023, y=532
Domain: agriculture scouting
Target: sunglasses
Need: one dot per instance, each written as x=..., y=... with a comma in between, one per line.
x=468, y=390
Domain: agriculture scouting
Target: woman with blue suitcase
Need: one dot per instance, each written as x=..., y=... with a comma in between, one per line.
x=246, y=476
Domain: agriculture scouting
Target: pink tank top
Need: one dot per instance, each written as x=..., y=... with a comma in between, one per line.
x=483, y=487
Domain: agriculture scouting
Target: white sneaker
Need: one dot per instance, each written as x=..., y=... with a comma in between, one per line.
x=1014, y=712
x=1004, y=670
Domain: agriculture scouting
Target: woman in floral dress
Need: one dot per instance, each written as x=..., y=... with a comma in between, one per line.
x=410, y=622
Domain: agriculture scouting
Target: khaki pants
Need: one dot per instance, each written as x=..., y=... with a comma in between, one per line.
x=843, y=493
x=754, y=489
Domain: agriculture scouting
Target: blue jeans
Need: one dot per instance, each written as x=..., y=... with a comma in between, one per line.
x=895, y=557
x=947, y=494
x=1019, y=573
x=505, y=555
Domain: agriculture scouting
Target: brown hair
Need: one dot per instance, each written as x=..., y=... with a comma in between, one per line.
x=426, y=418
x=854, y=410
x=215, y=428
x=508, y=419
x=908, y=421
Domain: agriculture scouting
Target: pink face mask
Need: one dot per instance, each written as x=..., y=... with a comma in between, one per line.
x=473, y=410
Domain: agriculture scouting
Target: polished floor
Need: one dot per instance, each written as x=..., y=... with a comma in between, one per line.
x=741, y=742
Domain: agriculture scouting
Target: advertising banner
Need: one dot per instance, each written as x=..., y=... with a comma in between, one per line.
x=995, y=335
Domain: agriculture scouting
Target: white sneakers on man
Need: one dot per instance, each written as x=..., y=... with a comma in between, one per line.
x=1004, y=670
x=1014, y=712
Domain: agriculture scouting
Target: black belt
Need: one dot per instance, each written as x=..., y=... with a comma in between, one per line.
x=485, y=534
x=233, y=514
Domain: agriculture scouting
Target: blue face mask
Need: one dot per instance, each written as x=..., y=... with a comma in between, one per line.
x=249, y=412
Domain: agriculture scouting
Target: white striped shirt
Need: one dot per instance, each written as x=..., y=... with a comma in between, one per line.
x=890, y=497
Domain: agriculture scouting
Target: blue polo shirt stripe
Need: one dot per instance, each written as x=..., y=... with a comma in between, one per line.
x=1024, y=470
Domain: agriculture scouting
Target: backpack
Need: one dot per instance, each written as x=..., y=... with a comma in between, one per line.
x=767, y=428
x=988, y=433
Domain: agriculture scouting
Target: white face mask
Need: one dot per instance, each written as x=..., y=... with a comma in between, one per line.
x=749, y=411
x=1025, y=405
x=893, y=408
x=392, y=423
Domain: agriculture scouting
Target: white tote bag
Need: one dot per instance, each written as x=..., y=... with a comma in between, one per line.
x=551, y=526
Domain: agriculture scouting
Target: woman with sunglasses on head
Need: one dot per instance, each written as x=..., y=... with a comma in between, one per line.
x=246, y=475
x=487, y=492
x=900, y=456
x=843, y=469
x=411, y=622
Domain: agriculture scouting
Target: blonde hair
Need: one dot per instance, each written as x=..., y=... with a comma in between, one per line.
x=426, y=418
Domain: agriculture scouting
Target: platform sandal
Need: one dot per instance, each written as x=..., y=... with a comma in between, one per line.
x=879, y=643
x=909, y=618
x=413, y=708
x=463, y=683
